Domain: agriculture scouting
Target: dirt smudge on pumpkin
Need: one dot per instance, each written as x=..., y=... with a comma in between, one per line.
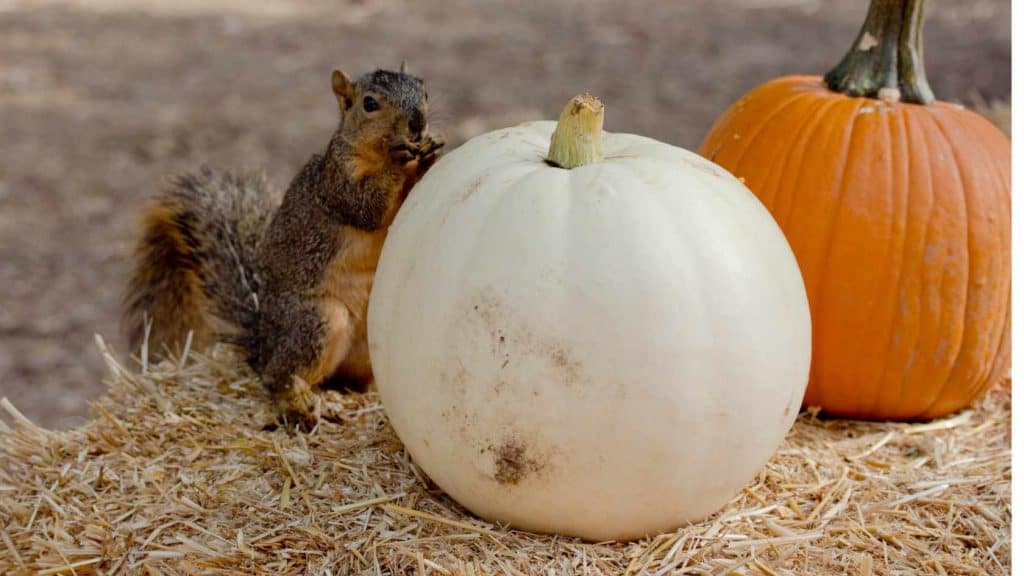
x=473, y=187
x=499, y=387
x=513, y=462
x=457, y=379
x=509, y=341
x=487, y=307
x=570, y=367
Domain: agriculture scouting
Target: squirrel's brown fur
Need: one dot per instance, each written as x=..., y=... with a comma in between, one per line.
x=196, y=257
x=287, y=278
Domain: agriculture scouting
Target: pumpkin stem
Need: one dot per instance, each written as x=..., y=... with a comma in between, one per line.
x=887, y=59
x=577, y=138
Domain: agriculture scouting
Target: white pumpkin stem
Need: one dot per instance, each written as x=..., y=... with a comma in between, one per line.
x=577, y=139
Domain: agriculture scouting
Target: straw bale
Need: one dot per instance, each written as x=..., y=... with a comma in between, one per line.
x=178, y=474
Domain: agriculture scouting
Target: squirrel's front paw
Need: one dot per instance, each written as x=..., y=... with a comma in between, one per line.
x=403, y=154
x=432, y=143
x=406, y=151
x=430, y=149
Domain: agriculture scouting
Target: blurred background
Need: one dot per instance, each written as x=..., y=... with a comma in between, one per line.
x=100, y=100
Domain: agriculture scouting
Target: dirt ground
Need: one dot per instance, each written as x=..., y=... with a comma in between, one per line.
x=100, y=100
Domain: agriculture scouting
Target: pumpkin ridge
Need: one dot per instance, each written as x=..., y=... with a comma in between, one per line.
x=992, y=339
x=967, y=275
x=808, y=129
x=752, y=151
x=795, y=85
x=727, y=118
x=924, y=150
x=880, y=294
x=756, y=132
x=815, y=303
x=411, y=267
x=999, y=350
x=989, y=379
x=981, y=382
x=770, y=185
x=839, y=123
x=899, y=134
x=941, y=320
x=995, y=363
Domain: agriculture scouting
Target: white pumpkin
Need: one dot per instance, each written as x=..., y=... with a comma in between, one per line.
x=606, y=351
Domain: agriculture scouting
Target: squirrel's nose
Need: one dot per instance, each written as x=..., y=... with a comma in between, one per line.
x=417, y=123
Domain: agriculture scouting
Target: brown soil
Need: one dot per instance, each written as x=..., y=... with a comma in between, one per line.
x=100, y=100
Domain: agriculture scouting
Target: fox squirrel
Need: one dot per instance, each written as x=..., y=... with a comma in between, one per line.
x=287, y=279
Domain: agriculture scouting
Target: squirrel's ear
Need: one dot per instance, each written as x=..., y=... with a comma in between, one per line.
x=403, y=67
x=343, y=89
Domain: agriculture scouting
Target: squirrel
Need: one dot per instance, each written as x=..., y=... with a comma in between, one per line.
x=287, y=278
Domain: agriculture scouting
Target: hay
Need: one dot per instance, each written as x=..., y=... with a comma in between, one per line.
x=175, y=475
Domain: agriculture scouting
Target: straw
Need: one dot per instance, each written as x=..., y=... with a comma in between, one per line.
x=176, y=474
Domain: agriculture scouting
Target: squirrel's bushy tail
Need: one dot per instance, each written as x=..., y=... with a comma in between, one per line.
x=195, y=265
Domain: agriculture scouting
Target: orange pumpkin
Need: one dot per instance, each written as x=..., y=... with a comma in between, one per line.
x=898, y=210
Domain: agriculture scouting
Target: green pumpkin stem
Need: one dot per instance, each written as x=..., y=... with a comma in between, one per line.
x=577, y=139
x=887, y=59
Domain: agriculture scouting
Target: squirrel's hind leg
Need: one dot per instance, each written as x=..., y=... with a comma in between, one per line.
x=340, y=337
x=354, y=374
x=307, y=350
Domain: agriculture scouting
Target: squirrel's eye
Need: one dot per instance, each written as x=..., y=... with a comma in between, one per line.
x=370, y=104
